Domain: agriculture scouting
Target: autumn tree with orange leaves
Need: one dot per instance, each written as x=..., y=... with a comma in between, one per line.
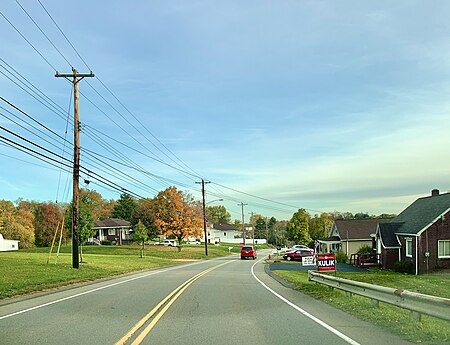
x=177, y=214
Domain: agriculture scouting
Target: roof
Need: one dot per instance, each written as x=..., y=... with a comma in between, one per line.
x=111, y=223
x=423, y=212
x=224, y=227
x=387, y=234
x=357, y=228
x=330, y=239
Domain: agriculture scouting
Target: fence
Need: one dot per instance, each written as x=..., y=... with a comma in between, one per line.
x=365, y=260
x=415, y=302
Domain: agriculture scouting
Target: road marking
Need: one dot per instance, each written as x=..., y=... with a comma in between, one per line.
x=95, y=290
x=175, y=294
x=304, y=312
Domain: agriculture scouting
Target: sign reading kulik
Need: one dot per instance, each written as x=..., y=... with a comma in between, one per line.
x=326, y=262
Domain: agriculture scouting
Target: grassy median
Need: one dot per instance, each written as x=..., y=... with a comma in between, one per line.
x=427, y=331
x=26, y=271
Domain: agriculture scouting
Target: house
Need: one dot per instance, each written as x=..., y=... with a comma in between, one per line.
x=112, y=229
x=7, y=245
x=218, y=233
x=350, y=235
x=419, y=237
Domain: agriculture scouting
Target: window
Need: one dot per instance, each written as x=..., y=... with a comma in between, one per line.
x=409, y=248
x=444, y=249
x=112, y=232
x=225, y=234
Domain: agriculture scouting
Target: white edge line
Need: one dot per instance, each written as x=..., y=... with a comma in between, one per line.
x=304, y=312
x=94, y=290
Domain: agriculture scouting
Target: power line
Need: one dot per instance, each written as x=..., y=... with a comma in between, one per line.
x=195, y=175
x=36, y=24
x=118, y=100
x=60, y=30
x=32, y=46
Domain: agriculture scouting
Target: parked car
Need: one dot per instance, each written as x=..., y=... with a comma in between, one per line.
x=297, y=247
x=248, y=252
x=169, y=243
x=298, y=254
x=193, y=242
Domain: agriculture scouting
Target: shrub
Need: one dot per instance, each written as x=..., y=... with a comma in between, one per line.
x=365, y=249
x=106, y=242
x=403, y=266
x=341, y=257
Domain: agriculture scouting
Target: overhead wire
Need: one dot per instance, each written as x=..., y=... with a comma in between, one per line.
x=117, y=99
x=196, y=175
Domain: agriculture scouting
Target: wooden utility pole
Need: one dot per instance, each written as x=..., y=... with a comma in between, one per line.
x=253, y=227
x=204, y=215
x=243, y=225
x=76, y=77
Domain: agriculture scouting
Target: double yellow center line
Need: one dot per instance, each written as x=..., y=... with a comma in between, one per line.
x=166, y=302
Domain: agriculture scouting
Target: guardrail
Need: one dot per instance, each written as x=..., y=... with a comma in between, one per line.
x=415, y=302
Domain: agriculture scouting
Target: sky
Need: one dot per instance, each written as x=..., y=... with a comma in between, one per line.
x=323, y=105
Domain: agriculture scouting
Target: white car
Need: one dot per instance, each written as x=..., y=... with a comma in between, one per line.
x=297, y=247
x=193, y=242
x=169, y=243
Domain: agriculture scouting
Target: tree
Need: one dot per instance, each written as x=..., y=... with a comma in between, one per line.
x=17, y=224
x=98, y=207
x=319, y=226
x=298, y=228
x=144, y=211
x=124, y=207
x=140, y=235
x=47, y=218
x=260, y=226
x=85, y=226
x=178, y=214
x=361, y=215
x=217, y=214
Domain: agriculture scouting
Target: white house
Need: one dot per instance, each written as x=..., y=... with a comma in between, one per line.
x=6, y=245
x=227, y=233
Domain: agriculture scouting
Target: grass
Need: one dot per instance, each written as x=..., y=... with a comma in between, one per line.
x=427, y=331
x=27, y=270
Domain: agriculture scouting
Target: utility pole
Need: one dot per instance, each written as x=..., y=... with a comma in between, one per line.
x=253, y=228
x=243, y=224
x=204, y=215
x=267, y=232
x=76, y=77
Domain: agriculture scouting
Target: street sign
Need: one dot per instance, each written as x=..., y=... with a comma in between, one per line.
x=326, y=262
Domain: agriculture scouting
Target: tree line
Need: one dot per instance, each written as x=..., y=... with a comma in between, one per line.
x=171, y=213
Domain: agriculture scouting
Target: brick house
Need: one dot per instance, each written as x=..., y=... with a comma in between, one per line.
x=419, y=237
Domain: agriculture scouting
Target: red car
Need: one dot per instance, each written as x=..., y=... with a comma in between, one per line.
x=298, y=254
x=248, y=252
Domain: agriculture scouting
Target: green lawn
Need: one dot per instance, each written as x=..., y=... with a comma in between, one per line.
x=27, y=271
x=427, y=331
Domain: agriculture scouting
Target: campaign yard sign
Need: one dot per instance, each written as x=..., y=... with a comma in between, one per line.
x=308, y=261
x=326, y=262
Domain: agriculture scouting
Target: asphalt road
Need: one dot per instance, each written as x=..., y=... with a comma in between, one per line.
x=219, y=301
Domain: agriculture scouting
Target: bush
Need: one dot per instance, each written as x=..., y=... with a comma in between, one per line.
x=341, y=257
x=106, y=242
x=403, y=266
x=365, y=249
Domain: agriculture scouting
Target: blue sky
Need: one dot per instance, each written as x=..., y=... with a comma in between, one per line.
x=317, y=104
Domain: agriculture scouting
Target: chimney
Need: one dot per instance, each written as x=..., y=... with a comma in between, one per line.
x=435, y=192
